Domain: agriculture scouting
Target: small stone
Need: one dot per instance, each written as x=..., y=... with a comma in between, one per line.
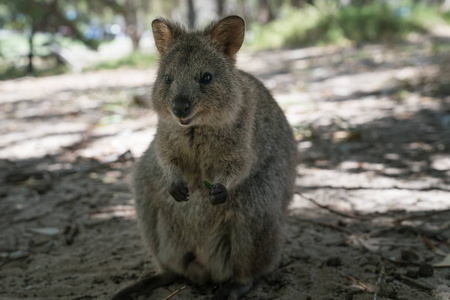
x=49, y=231
x=425, y=270
x=18, y=254
x=409, y=256
x=334, y=261
x=412, y=274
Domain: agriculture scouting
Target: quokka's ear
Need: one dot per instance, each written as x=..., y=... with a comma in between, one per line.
x=164, y=33
x=228, y=34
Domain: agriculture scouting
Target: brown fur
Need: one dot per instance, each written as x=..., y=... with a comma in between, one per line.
x=238, y=139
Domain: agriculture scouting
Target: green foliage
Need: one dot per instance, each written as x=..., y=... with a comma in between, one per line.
x=327, y=22
x=279, y=33
x=136, y=59
x=446, y=16
x=31, y=16
x=14, y=51
x=375, y=22
x=207, y=184
x=304, y=132
x=11, y=72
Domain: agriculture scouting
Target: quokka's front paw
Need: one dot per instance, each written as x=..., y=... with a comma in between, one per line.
x=179, y=191
x=218, y=194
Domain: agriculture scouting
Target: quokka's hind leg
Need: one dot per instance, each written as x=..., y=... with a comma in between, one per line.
x=145, y=286
x=232, y=291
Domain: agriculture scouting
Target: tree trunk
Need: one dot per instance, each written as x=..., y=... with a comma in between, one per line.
x=220, y=7
x=296, y=3
x=131, y=22
x=361, y=3
x=30, y=68
x=301, y=3
x=265, y=14
x=191, y=14
x=241, y=10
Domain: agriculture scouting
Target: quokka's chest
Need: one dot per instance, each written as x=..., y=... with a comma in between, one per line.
x=196, y=148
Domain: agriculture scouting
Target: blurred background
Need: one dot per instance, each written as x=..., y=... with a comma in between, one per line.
x=41, y=37
x=365, y=85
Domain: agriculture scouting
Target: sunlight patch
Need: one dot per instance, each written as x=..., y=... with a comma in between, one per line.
x=117, y=211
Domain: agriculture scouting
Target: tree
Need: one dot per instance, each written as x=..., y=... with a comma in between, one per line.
x=191, y=14
x=134, y=13
x=300, y=3
x=265, y=13
x=220, y=7
x=32, y=16
x=296, y=3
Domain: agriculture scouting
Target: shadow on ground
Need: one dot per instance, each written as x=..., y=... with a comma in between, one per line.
x=371, y=216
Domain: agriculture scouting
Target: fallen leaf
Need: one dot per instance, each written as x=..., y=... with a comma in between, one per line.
x=45, y=231
x=433, y=247
x=444, y=263
x=18, y=254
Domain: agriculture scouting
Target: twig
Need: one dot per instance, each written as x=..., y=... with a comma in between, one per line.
x=369, y=249
x=286, y=264
x=354, y=280
x=70, y=232
x=126, y=156
x=379, y=282
x=357, y=188
x=87, y=297
x=412, y=282
x=334, y=226
x=330, y=209
x=435, y=235
x=175, y=293
x=420, y=216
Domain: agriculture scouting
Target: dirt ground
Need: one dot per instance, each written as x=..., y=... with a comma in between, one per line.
x=371, y=219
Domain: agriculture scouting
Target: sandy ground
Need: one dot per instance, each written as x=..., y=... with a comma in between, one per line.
x=371, y=219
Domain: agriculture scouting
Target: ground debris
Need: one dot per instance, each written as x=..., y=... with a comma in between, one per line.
x=372, y=190
x=412, y=282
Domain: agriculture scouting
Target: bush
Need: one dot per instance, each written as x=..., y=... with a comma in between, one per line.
x=291, y=25
x=328, y=23
x=135, y=59
x=375, y=22
x=446, y=16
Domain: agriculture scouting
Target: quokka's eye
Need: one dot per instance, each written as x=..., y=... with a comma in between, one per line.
x=206, y=78
x=167, y=79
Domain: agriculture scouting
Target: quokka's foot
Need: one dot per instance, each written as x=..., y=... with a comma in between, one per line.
x=145, y=286
x=232, y=291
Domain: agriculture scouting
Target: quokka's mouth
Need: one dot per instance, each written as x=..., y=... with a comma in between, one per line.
x=185, y=121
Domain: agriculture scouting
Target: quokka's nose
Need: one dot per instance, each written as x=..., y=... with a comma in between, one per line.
x=181, y=107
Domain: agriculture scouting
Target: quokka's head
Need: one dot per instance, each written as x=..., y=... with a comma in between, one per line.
x=197, y=82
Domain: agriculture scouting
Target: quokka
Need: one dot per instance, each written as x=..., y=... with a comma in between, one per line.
x=218, y=123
